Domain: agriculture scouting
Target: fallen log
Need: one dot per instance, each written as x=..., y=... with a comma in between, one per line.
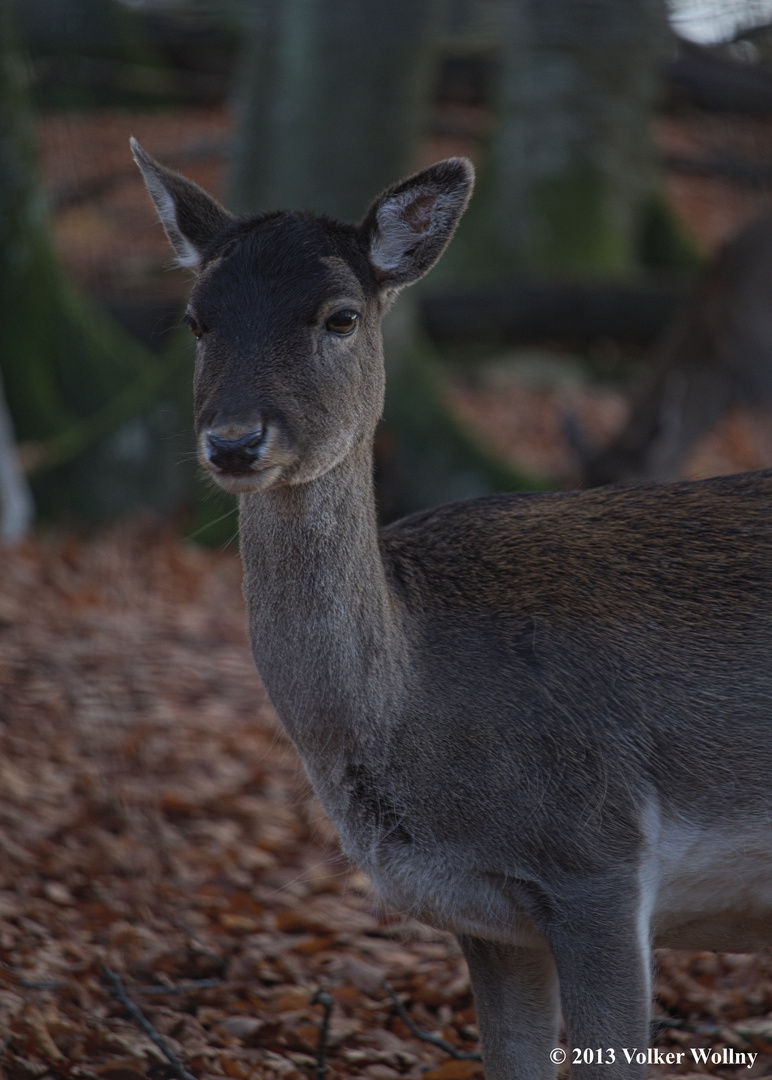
x=522, y=312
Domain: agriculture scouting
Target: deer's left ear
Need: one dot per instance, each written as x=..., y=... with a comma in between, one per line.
x=190, y=217
x=410, y=225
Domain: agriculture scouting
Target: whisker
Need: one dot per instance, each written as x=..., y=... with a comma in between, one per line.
x=211, y=524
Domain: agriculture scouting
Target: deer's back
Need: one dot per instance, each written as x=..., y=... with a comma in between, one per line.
x=671, y=552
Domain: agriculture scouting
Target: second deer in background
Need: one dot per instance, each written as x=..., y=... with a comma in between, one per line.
x=716, y=354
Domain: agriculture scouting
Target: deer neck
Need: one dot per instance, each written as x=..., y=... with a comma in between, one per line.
x=324, y=627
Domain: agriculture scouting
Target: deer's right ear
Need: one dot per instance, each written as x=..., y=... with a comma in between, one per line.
x=190, y=217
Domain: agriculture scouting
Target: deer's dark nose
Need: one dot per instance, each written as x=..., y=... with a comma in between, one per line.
x=235, y=455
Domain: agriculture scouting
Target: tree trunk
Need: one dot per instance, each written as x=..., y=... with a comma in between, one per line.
x=330, y=104
x=571, y=162
x=16, y=506
x=331, y=98
x=75, y=382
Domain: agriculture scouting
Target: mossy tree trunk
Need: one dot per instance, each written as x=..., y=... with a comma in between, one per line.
x=570, y=169
x=73, y=378
x=331, y=99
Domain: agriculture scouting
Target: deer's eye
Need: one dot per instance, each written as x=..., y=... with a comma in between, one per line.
x=342, y=322
x=195, y=327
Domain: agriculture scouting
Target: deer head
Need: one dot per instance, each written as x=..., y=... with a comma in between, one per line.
x=286, y=311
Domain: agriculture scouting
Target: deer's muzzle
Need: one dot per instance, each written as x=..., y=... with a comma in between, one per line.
x=235, y=456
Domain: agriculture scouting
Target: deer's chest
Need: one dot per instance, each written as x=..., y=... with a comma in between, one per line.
x=420, y=871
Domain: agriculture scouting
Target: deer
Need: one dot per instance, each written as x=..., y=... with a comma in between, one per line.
x=543, y=721
x=714, y=354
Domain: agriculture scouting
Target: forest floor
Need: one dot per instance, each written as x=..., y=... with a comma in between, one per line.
x=161, y=847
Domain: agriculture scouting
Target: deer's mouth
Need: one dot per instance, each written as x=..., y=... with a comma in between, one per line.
x=244, y=460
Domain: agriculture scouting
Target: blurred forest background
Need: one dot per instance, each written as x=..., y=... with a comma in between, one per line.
x=602, y=313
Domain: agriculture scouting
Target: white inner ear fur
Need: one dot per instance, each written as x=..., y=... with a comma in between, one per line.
x=187, y=256
x=399, y=231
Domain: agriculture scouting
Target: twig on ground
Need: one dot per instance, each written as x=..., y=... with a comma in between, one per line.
x=663, y=1023
x=118, y=990
x=202, y=945
x=426, y=1036
x=328, y=1003
x=180, y=988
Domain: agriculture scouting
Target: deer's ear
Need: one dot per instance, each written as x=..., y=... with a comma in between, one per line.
x=190, y=217
x=409, y=226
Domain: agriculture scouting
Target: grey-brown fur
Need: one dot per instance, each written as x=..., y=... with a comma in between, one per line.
x=542, y=721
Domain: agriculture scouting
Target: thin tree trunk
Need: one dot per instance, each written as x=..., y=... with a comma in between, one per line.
x=16, y=506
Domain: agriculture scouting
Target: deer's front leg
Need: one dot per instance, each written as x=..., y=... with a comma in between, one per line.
x=518, y=1011
x=603, y=958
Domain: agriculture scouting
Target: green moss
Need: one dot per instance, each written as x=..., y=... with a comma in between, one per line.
x=576, y=231
x=568, y=227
